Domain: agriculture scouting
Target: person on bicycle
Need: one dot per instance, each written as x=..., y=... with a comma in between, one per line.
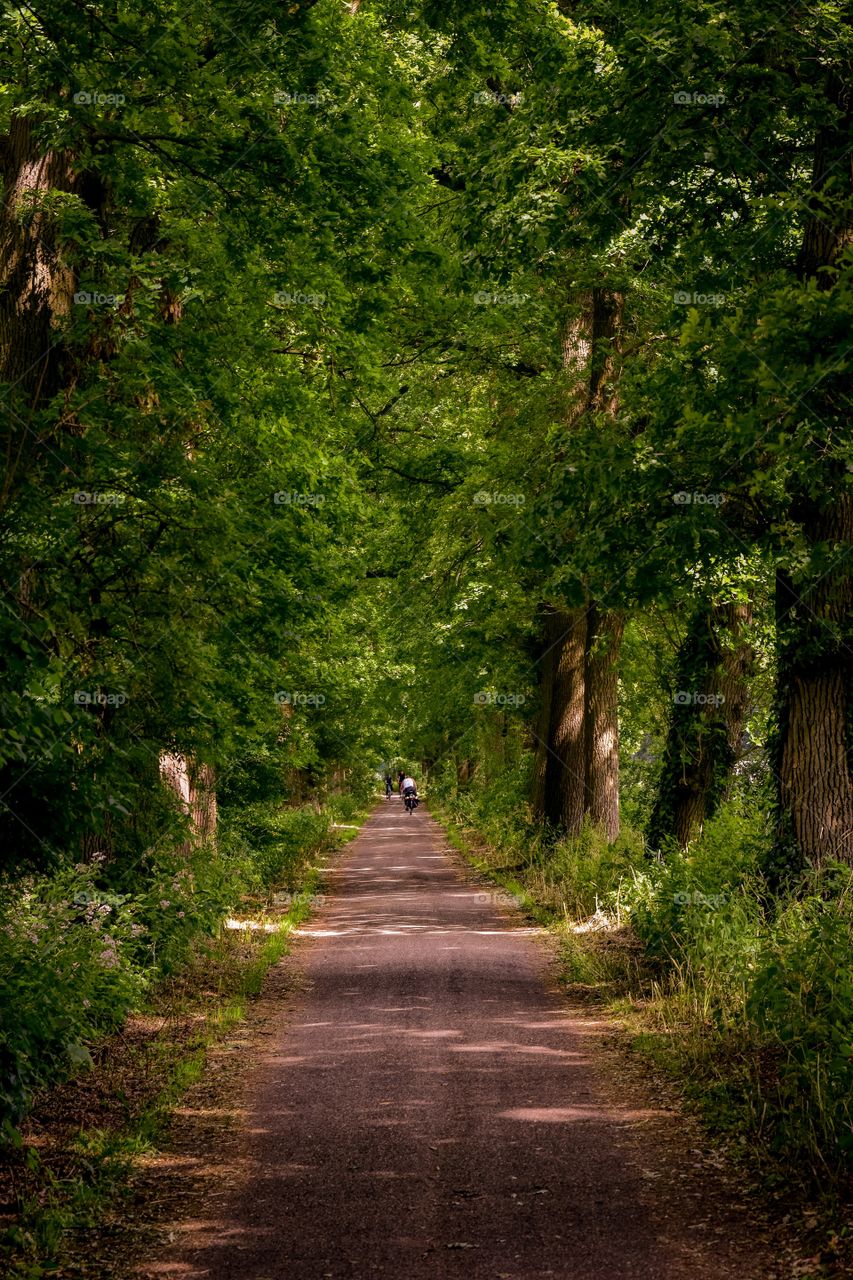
x=407, y=787
x=388, y=786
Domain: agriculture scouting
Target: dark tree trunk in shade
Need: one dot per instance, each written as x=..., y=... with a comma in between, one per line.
x=709, y=709
x=814, y=599
x=815, y=735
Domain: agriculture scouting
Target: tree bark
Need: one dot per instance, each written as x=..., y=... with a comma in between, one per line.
x=814, y=637
x=706, y=722
x=604, y=636
x=548, y=666
x=566, y=777
x=36, y=287
x=576, y=769
x=814, y=605
x=193, y=787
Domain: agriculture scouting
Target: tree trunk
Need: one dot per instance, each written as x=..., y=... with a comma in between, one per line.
x=548, y=666
x=565, y=788
x=203, y=800
x=706, y=722
x=604, y=636
x=36, y=287
x=576, y=769
x=814, y=604
x=193, y=787
x=814, y=637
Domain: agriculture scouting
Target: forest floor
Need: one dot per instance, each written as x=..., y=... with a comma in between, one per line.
x=412, y=1096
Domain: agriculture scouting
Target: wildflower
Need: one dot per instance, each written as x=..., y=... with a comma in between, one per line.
x=165, y=903
x=180, y=915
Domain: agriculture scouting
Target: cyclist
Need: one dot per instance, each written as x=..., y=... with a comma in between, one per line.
x=407, y=787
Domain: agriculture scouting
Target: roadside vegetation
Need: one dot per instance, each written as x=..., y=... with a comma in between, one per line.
x=743, y=998
x=97, y=1112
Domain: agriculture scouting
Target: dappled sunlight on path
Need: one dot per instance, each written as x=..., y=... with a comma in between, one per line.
x=428, y=1107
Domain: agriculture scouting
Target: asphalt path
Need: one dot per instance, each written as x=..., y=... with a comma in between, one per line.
x=428, y=1105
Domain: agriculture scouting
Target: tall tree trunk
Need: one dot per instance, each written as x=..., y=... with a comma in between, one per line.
x=814, y=638
x=548, y=667
x=604, y=636
x=192, y=785
x=706, y=722
x=36, y=287
x=576, y=769
x=814, y=604
x=566, y=777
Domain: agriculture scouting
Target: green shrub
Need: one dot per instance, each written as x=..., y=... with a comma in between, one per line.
x=679, y=904
x=77, y=952
x=67, y=974
x=185, y=893
x=276, y=840
x=802, y=1002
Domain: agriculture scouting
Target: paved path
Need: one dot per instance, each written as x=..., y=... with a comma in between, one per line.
x=428, y=1106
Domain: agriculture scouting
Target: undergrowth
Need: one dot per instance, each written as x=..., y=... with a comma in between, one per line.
x=745, y=997
x=193, y=980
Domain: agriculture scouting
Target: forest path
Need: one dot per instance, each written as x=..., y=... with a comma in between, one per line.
x=428, y=1105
